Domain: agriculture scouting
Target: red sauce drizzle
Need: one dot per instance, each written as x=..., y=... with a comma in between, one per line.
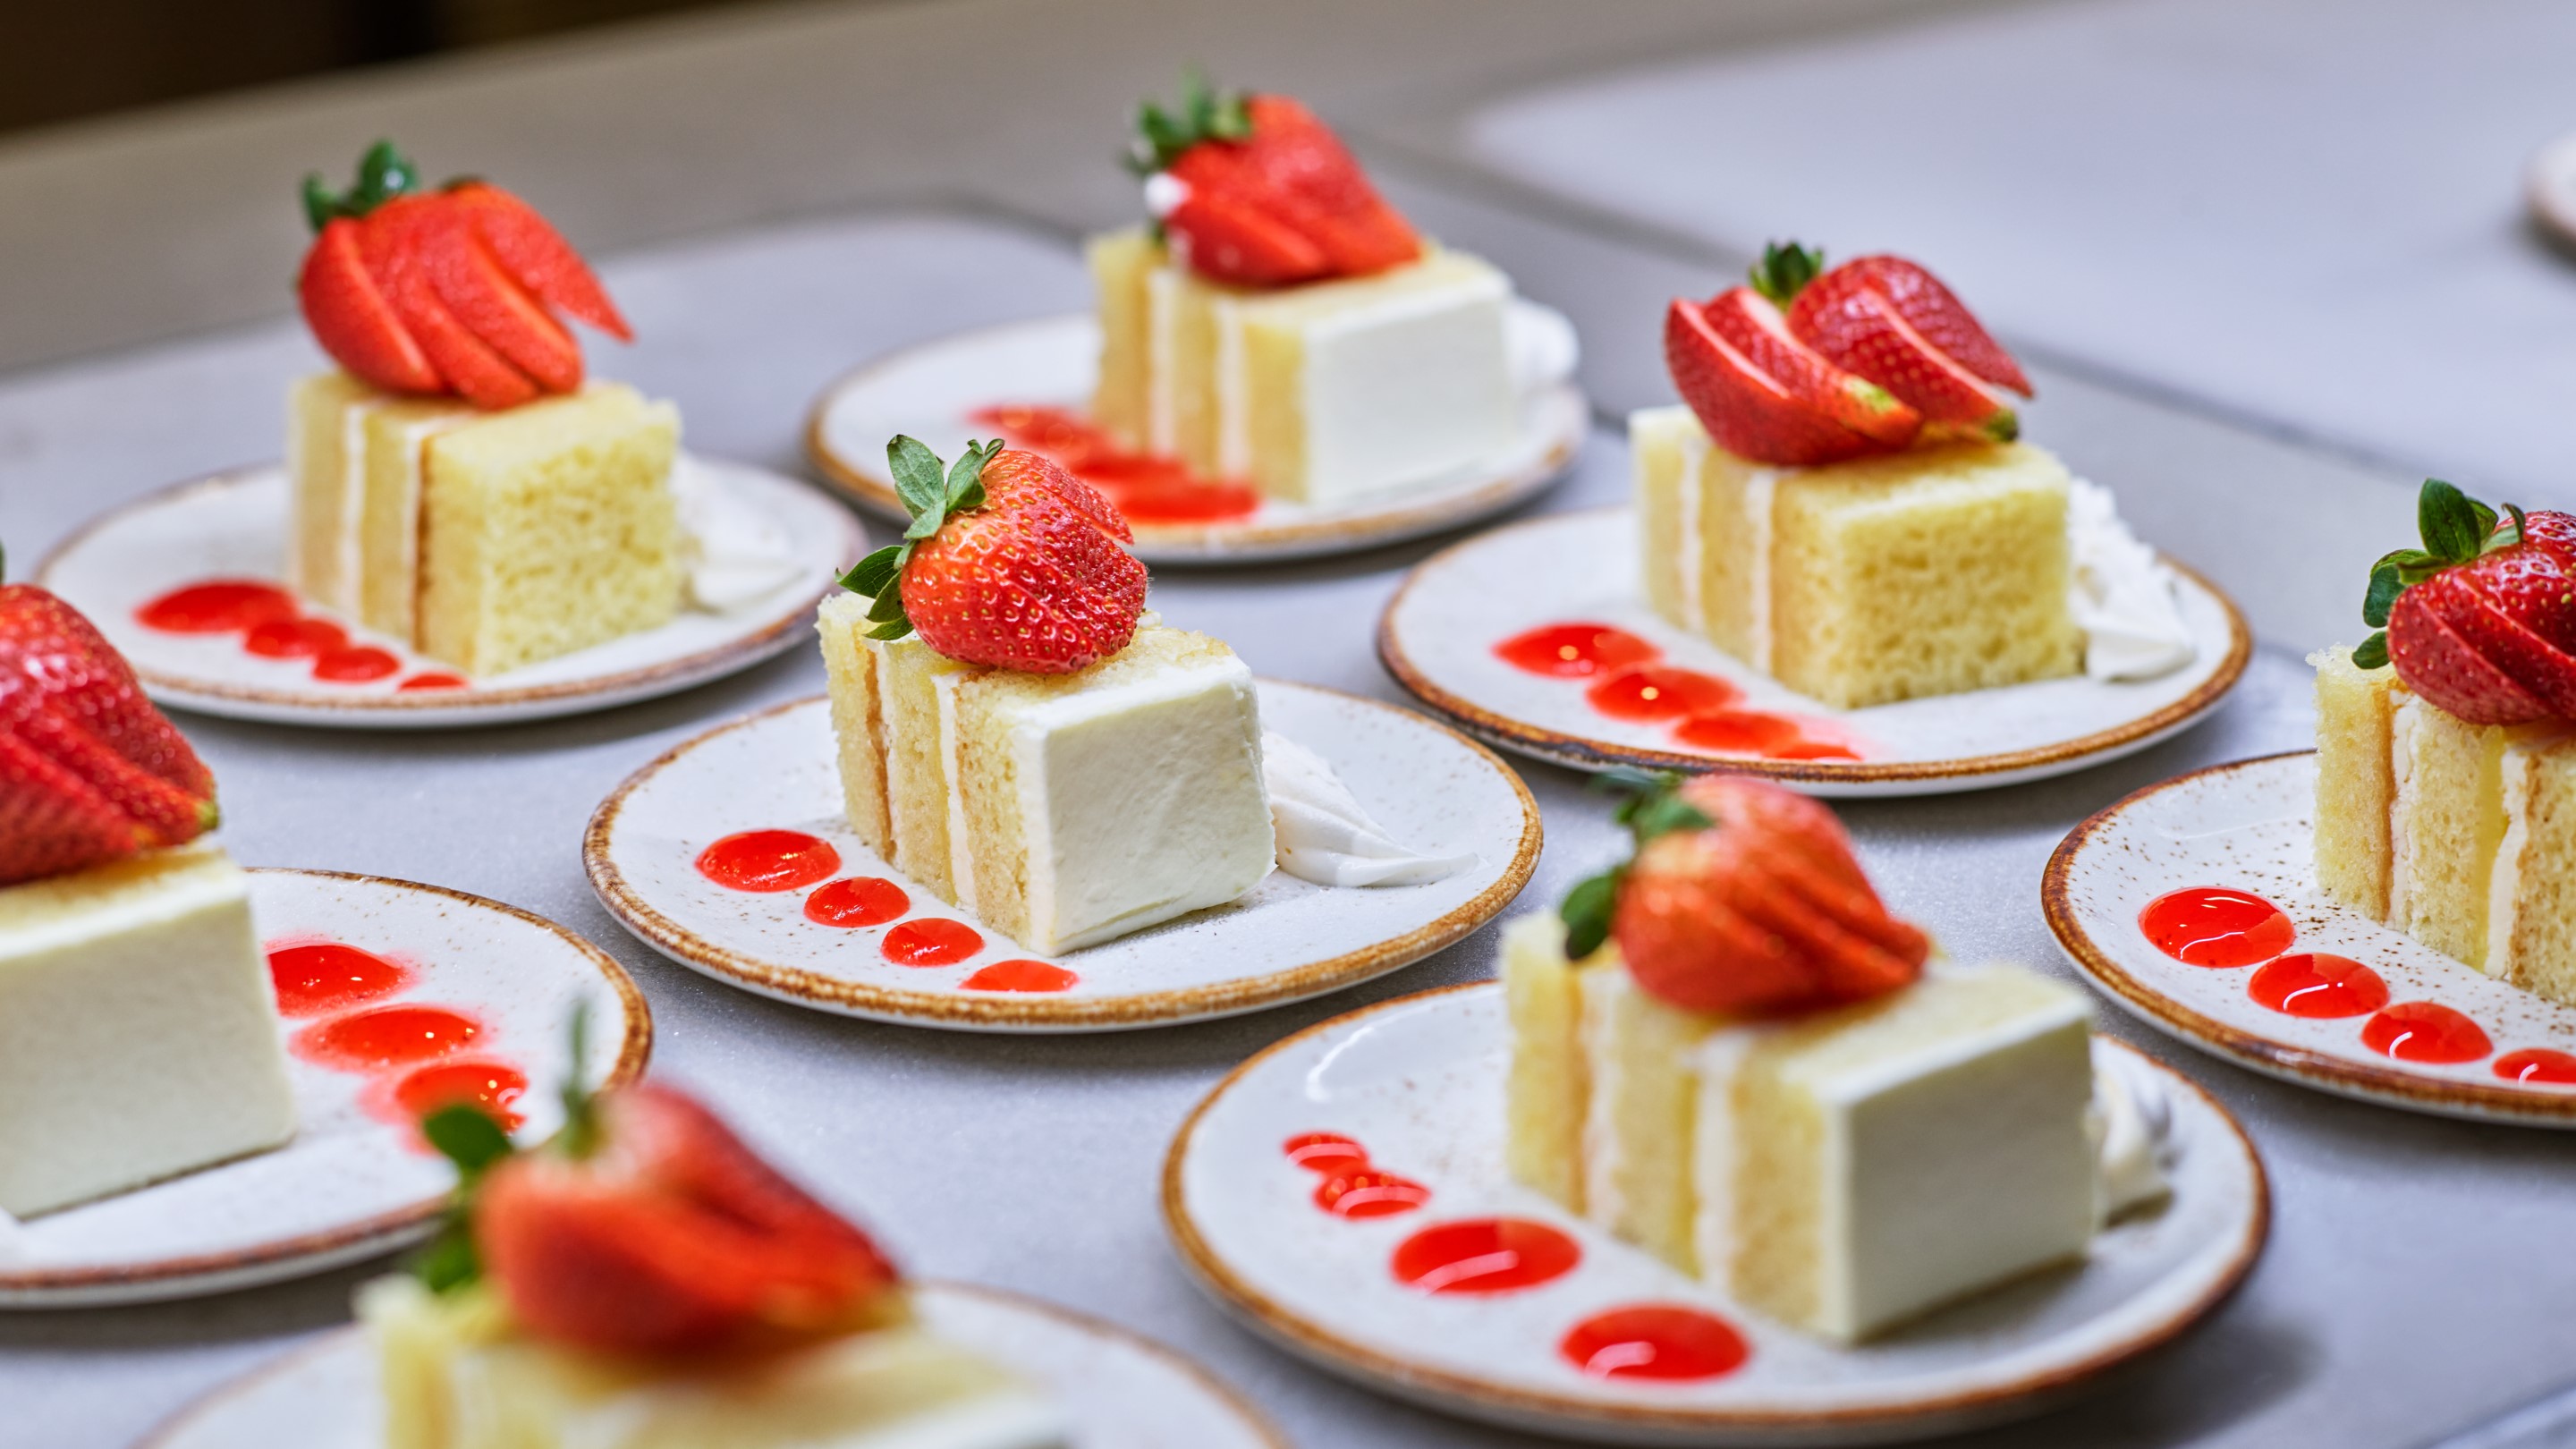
x=769, y=860
x=435, y=679
x=496, y=1087
x=1369, y=1193
x=2217, y=927
x=1484, y=1255
x=1647, y=692
x=859, y=900
x=294, y=638
x=314, y=980
x=1021, y=976
x=2319, y=986
x=217, y=606
x=1326, y=1152
x=1575, y=651
x=274, y=626
x=2538, y=1066
x=356, y=664
x=387, y=1036
x=2425, y=1031
x=1666, y=1341
x=931, y=941
x=1146, y=488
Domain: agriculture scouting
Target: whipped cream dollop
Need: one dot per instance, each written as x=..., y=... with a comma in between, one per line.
x=1540, y=347
x=2133, y=1142
x=1326, y=835
x=734, y=554
x=2122, y=595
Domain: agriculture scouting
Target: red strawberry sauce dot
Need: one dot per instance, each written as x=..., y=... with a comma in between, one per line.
x=493, y=1086
x=355, y=664
x=2425, y=1031
x=769, y=860
x=293, y=638
x=931, y=941
x=1655, y=1341
x=387, y=1036
x=1368, y=1193
x=1143, y=487
x=1326, y=1152
x=1741, y=731
x=2538, y=1065
x=435, y=679
x=1021, y=976
x=316, y=979
x=2217, y=927
x=217, y=606
x=2318, y=986
x=859, y=900
x=1575, y=651
x=1652, y=692
x=1484, y=1255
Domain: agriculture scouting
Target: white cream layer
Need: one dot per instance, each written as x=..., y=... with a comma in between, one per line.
x=1762, y=528
x=961, y=853
x=353, y=509
x=1690, y=558
x=2402, y=721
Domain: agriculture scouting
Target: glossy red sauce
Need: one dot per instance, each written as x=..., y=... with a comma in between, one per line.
x=2317, y=985
x=1647, y=692
x=1575, y=651
x=931, y=941
x=325, y=976
x=1369, y=1193
x=1484, y=1255
x=2217, y=927
x=1021, y=976
x=2538, y=1065
x=859, y=900
x=217, y=606
x=387, y=1036
x=1145, y=488
x=769, y=860
x=496, y=1087
x=1325, y=1152
x=294, y=638
x=1655, y=1341
x=2427, y=1032
x=356, y=664
x=435, y=679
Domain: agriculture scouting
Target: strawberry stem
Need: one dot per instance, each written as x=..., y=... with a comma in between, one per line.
x=1204, y=114
x=1785, y=270
x=383, y=174
x=2455, y=529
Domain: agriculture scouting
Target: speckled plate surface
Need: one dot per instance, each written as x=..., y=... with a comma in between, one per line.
x=354, y=1182
x=1439, y=633
x=931, y=391
x=1121, y=1391
x=1434, y=790
x=1418, y=1081
x=234, y=525
x=2247, y=827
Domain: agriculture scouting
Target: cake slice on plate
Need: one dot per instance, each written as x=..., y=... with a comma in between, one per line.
x=1730, y=1054
x=138, y=1027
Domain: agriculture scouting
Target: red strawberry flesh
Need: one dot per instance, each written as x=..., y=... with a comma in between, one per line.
x=1747, y=411
x=1927, y=306
x=1751, y=325
x=1862, y=333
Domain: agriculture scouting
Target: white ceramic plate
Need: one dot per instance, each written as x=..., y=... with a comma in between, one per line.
x=1439, y=632
x=234, y=525
x=1122, y=1391
x=931, y=390
x=1419, y=1083
x=1432, y=789
x=354, y=1182
x=2247, y=827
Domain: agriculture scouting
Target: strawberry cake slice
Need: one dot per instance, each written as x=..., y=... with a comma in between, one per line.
x=2446, y=745
x=1728, y=1052
x=1841, y=502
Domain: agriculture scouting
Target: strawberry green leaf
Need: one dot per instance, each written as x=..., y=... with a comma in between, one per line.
x=874, y=574
x=901, y=626
x=468, y=1136
x=383, y=174
x=2449, y=522
x=448, y=1262
x=2510, y=534
x=966, y=480
x=1785, y=270
x=886, y=607
x=1587, y=910
x=2373, y=652
x=1204, y=114
x=581, y=1134
x=2385, y=586
x=917, y=479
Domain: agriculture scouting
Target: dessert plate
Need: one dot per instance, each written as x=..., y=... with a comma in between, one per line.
x=1438, y=793
x=1418, y=1081
x=492, y=986
x=2409, y=1028
x=1118, y=1388
x=934, y=390
x=1440, y=633
x=234, y=526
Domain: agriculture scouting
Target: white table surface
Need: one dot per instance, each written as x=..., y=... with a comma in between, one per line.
x=2403, y=1243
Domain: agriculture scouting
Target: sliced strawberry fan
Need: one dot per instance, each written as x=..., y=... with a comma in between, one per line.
x=2481, y=620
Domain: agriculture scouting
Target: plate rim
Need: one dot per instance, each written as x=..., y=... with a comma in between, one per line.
x=1009, y=1011
x=199, y=1274
x=1320, y=1345
x=1247, y=1414
x=2301, y=1066
x=1220, y=544
x=1966, y=772
x=438, y=709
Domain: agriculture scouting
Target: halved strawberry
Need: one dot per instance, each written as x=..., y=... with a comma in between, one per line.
x=491, y=305
x=1272, y=197
x=1926, y=305
x=1223, y=236
x=538, y=256
x=1745, y=409
x=1861, y=332
x=1754, y=327
x=392, y=238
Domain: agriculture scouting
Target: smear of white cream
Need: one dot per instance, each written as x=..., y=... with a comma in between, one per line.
x=2133, y=1127
x=1326, y=835
x=735, y=554
x=2121, y=594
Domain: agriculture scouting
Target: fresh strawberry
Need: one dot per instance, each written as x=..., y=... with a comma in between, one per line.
x=1862, y=333
x=445, y=291
x=1749, y=412
x=1754, y=327
x=2481, y=620
x=1927, y=306
x=89, y=770
x=1010, y=561
x=1743, y=898
x=1267, y=194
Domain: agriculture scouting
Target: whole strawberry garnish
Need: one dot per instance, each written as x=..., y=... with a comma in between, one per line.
x=2482, y=619
x=89, y=771
x=445, y=291
x=1010, y=561
x=647, y=1229
x=1258, y=192
x=1742, y=898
